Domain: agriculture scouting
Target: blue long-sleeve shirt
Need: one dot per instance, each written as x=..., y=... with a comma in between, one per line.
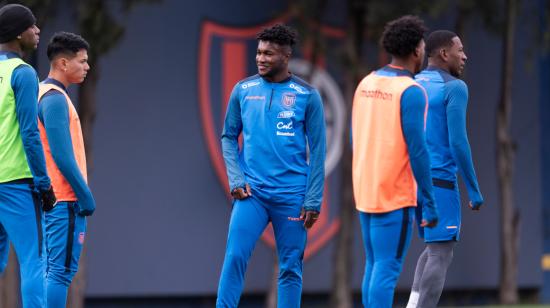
x=413, y=107
x=53, y=112
x=446, y=129
x=279, y=121
x=24, y=83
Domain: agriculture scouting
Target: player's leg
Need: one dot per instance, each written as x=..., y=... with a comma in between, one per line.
x=248, y=220
x=65, y=232
x=420, y=265
x=364, y=219
x=390, y=235
x=441, y=241
x=21, y=216
x=291, y=237
x=440, y=256
x=4, y=248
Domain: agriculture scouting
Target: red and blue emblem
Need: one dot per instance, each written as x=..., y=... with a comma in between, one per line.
x=289, y=99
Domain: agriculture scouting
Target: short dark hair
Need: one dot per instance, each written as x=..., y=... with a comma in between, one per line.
x=66, y=43
x=437, y=40
x=401, y=36
x=280, y=34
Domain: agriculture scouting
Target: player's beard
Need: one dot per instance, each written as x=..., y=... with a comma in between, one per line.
x=273, y=71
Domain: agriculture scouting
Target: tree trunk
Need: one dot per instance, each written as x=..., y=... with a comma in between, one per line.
x=86, y=112
x=9, y=283
x=341, y=296
x=505, y=160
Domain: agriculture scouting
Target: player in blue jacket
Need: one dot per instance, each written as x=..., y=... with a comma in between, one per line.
x=449, y=152
x=272, y=178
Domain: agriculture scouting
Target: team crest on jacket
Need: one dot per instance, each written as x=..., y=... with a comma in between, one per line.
x=226, y=56
x=289, y=99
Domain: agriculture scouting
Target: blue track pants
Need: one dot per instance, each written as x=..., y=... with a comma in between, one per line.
x=386, y=238
x=249, y=218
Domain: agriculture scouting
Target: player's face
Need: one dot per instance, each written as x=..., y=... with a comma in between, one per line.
x=419, y=56
x=271, y=59
x=30, y=38
x=77, y=67
x=456, y=57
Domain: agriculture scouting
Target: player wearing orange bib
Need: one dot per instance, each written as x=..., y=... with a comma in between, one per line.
x=390, y=158
x=61, y=136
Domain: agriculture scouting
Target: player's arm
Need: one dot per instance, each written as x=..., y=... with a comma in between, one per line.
x=232, y=128
x=413, y=109
x=457, y=95
x=25, y=87
x=53, y=112
x=316, y=136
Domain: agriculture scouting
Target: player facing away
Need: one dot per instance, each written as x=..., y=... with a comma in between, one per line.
x=390, y=158
x=24, y=184
x=270, y=177
x=449, y=151
x=61, y=136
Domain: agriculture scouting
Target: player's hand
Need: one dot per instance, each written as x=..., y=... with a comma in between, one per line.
x=48, y=199
x=309, y=217
x=240, y=193
x=475, y=205
x=86, y=207
x=429, y=224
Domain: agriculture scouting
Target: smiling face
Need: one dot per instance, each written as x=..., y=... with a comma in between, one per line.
x=454, y=57
x=272, y=60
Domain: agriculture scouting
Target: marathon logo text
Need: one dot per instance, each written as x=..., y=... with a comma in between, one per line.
x=255, y=97
x=377, y=94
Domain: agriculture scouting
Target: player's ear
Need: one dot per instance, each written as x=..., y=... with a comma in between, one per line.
x=443, y=54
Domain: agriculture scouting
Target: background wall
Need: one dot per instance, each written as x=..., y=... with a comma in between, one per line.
x=162, y=213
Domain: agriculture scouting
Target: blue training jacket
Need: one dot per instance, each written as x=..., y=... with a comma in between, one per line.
x=278, y=121
x=446, y=129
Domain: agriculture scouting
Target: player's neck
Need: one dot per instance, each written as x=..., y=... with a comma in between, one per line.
x=12, y=46
x=438, y=64
x=59, y=76
x=279, y=77
x=404, y=64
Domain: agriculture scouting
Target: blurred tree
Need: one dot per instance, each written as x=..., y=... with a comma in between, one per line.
x=341, y=295
x=100, y=26
x=509, y=213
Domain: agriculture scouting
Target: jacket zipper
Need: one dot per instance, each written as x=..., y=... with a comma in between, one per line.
x=270, y=99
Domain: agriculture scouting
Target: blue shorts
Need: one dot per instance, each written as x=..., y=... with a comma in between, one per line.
x=448, y=226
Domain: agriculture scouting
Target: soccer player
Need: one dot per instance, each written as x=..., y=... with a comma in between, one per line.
x=271, y=178
x=61, y=136
x=449, y=151
x=24, y=182
x=390, y=158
